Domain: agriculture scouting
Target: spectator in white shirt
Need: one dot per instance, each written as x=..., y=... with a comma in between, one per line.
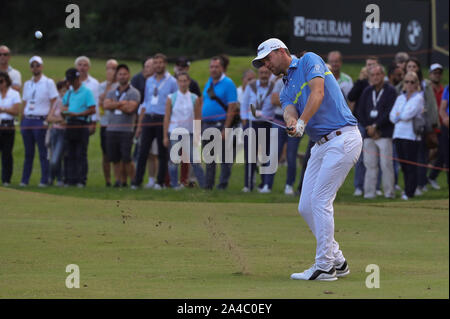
x=14, y=75
x=247, y=76
x=407, y=106
x=9, y=108
x=83, y=64
x=182, y=107
x=39, y=94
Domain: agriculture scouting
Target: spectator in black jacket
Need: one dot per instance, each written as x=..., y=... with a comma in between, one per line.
x=375, y=105
x=353, y=97
x=138, y=80
x=182, y=65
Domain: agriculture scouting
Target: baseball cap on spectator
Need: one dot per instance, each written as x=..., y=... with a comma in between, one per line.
x=183, y=62
x=435, y=66
x=72, y=74
x=265, y=48
x=37, y=59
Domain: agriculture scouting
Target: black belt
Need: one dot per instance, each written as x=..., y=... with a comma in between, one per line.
x=154, y=115
x=35, y=117
x=76, y=121
x=7, y=122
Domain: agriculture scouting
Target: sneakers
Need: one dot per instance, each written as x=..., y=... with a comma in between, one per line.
x=358, y=192
x=151, y=183
x=157, y=187
x=398, y=188
x=379, y=192
x=42, y=185
x=22, y=184
x=342, y=270
x=245, y=190
x=418, y=192
x=434, y=184
x=5, y=184
x=369, y=197
x=80, y=185
x=314, y=273
x=288, y=190
x=265, y=189
x=404, y=197
x=179, y=187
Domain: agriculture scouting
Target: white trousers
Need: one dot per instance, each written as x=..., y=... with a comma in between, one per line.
x=374, y=151
x=326, y=171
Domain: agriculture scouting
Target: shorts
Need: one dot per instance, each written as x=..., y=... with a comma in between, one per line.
x=118, y=146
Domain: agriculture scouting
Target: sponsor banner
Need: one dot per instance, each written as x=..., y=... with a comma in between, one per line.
x=325, y=25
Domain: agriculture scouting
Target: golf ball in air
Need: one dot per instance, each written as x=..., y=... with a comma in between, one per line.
x=38, y=34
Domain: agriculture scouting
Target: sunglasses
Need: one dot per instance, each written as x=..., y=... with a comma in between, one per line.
x=35, y=65
x=4, y=54
x=410, y=82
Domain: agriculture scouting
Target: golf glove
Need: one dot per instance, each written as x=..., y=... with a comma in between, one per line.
x=299, y=128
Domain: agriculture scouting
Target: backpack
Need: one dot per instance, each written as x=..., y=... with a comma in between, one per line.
x=419, y=124
x=174, y=98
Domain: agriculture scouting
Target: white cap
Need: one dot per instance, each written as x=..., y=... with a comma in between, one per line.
x=37, y=59
x=435, y=66
x=265, y=48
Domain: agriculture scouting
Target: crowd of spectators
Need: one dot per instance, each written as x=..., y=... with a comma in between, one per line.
x=403, y=119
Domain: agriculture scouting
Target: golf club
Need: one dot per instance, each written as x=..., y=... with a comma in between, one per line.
x=253, y=109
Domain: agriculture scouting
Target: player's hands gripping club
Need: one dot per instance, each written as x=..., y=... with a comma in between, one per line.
x=295, y=128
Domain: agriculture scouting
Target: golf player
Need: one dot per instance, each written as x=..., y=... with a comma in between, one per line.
x=312, y=101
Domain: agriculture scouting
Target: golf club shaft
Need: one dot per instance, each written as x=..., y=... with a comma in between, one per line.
x=253, y=110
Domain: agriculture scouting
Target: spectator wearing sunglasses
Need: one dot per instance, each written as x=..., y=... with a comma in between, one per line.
x=39, y=94
x=14, y=75
x=9, y=108
x=407, y=106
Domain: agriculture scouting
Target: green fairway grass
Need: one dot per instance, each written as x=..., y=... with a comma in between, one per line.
x=152, y=249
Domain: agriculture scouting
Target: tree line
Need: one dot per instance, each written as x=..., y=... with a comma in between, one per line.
x=134, y=29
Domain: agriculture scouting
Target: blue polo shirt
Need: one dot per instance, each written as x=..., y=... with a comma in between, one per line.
x=79, y=100
x=162, y=88
x=445, y=97
x=224, y=90
x=333, y=113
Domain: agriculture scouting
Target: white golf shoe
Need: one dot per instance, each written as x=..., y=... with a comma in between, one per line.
x=342, y=270
x=288, y=190
x=314, y=273
x=434, y=184
x=265, y=189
